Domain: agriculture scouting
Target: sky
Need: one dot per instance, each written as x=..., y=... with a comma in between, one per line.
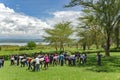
x=29, y=18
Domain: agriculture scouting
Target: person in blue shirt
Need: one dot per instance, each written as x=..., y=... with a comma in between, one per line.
x=61, y=59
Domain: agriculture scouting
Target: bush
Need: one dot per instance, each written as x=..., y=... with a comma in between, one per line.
x=115, y=50
x=0, y=48
x=23, y=48
x=31, y=45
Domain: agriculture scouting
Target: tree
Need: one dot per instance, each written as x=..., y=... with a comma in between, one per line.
x=31, y=44
x=85, y=40
x=59, y=35
x=107, y=13
x=117, y=35
x=95, y=32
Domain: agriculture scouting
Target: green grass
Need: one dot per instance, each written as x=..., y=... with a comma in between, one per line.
x=110, y=70
x=18, y=52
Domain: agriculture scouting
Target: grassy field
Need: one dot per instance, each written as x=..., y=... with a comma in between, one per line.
x=9, y=50
x=110, y=70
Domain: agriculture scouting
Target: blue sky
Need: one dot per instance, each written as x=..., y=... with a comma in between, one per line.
x=29, y=18
x=37, y=8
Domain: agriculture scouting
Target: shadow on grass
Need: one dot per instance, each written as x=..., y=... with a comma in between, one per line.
x=109, y=64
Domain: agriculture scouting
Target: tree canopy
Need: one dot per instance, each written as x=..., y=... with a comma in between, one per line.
x=59, y=35
x=105, y=12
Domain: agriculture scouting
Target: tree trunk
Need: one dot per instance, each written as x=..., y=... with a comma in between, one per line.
x=56, y=48
x=117, y=37
x=84, y=46
x=97, y=46
x=107, y=48
x=61, y=46
x=88, y=46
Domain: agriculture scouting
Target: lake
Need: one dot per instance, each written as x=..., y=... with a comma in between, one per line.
x=19, y=42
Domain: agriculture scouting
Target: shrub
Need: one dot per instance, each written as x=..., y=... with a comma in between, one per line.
x=23, y=48
x=31, y=44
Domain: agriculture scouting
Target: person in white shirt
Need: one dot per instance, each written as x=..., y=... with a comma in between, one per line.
x=37, y=64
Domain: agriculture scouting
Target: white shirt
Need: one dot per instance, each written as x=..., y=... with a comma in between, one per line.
x=37, y=60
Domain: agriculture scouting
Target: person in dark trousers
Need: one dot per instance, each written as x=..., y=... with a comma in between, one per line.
x=46, y=62
x=29, y=63
x=99, y=59
x=51, y=59
x=55, y=59
x=2, y=61
x=81, y=59
x=69, y=61
x=84, y=57
x=62, y=59
x=33, y=64
x=12, y=60
x=65, y=57
x=73, y=59
x=17, y=56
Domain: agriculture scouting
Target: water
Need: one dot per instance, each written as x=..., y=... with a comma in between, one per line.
x=18, y=44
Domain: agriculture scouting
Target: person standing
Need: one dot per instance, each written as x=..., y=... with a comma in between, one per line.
x=33, y=64
x=12, y=60
x=51, y=59
x=0, y=62
x=46, y=61
x=17, y=56
x=37, y=68
x=99, y=59
x=29, y=63
x=55, y=59
x=62, y=59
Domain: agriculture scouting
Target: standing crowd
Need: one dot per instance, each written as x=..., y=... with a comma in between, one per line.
x=43, y=61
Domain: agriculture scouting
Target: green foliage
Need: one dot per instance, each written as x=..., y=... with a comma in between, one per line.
x=59, y=35
x=0, y=48
x=106, y=13
x=23, y=48
x=31, y=44
x=9, y=48
x=115, y=50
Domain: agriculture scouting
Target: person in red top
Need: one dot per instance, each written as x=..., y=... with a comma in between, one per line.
x=29, y=63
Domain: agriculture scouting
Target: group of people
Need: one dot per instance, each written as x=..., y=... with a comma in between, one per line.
x=1, y=62
x=42, y=61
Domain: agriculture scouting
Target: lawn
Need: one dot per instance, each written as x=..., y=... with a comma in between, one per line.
x=110, y=70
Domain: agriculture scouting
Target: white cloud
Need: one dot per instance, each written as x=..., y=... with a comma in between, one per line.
x=16, y=24
x=61, y=16
x=19, y=25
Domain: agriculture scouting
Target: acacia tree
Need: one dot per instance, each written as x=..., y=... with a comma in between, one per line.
x=107, y=13
x=59, y=35
x=96, y=34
